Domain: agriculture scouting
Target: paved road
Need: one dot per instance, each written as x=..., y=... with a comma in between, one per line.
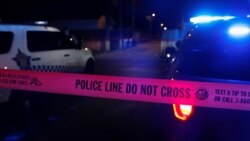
x=70, y=118
x=141, y=61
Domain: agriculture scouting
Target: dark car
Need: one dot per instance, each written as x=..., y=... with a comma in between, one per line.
x=218, y=51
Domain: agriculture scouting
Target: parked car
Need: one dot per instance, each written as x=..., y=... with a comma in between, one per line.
x=41, y=48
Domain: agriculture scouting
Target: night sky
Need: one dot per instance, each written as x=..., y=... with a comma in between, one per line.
x=166, y=10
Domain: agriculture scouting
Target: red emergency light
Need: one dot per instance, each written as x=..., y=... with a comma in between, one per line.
x=182, y=112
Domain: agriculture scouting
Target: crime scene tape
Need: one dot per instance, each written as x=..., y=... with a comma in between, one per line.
x=205, y=94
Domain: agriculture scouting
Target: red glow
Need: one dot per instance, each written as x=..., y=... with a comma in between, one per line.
x=182, y=112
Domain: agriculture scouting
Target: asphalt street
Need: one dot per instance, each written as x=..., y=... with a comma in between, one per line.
x=52, y=117
x=140, y=61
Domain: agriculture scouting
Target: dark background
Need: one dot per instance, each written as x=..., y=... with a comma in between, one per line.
x=168, y=11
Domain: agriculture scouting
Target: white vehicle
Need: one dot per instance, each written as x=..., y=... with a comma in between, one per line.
x=40, y=48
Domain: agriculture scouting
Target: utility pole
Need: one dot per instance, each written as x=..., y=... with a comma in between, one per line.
x=107, y=27
x=120, y=24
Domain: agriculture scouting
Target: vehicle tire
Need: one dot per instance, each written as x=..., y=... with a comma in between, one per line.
x=90, y=67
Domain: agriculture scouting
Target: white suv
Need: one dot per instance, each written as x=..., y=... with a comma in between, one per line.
x=41, y=48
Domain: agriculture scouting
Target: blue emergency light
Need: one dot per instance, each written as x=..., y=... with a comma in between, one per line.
x=208, y=19
x=239, y=30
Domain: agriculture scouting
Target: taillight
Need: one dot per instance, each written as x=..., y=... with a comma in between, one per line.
x=182, y=112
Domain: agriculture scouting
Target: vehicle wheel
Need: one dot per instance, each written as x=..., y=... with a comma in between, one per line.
x=90, y=67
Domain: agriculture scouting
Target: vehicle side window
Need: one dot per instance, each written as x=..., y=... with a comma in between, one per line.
x=6, y=39
x=44, y=41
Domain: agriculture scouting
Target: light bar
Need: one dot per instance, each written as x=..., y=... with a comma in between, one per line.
x=208, y=19
x=239, y=30
x=41, y=22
